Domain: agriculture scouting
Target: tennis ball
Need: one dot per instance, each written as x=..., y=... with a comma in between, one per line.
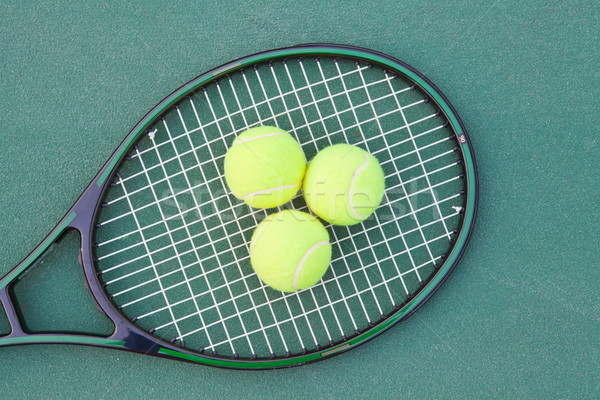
x=264, y=167
x=343, y=184
x=290, y=250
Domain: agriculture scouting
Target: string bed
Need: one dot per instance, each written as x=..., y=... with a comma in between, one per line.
x=172, y=242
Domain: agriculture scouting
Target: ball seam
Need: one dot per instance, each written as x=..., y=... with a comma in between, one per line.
x=271, y=190
x=266, y=135
x=253, y=242
x=354, y=176
x=303, y=259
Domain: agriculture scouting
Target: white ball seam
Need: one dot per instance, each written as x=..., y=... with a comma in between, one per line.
x=303, y=259
x=271, y=190
x=354, y=176
x=258, y=137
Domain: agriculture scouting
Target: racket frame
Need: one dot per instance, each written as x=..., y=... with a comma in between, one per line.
x=82, y=215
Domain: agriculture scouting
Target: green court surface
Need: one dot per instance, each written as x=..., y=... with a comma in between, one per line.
x=518, y=318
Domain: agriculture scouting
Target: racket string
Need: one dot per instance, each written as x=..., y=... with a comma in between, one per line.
x=366, y=275
x=391, y=203
x=231, y=204
x=335, y=236
x=336, y=112
x=386, y=198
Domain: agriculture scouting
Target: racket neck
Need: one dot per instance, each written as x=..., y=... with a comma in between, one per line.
x=80, y=217
x=16, y=330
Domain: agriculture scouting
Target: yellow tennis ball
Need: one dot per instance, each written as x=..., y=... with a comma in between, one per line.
x=264, y=167
x=290, y=250
x=343, y=184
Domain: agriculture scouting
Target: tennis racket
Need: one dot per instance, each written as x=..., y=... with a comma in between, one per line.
x=164, y=245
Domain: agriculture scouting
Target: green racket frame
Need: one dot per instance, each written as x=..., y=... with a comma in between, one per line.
x=128, y=336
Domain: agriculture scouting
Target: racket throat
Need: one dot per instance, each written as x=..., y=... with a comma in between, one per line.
x=16, y=329
x=87, y=285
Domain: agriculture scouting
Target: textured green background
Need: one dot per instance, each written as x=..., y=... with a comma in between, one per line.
x=520, y=317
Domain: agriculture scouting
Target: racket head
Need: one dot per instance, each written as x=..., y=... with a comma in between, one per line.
x=152, y=163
